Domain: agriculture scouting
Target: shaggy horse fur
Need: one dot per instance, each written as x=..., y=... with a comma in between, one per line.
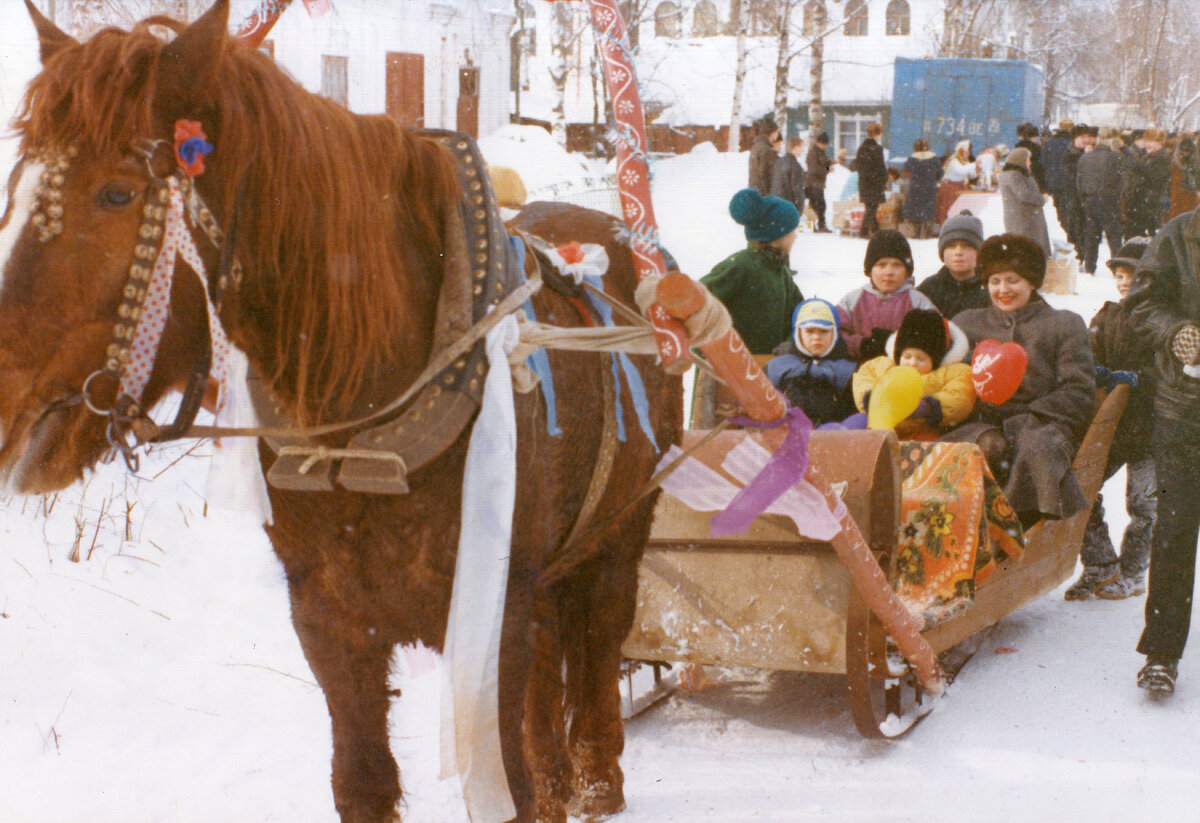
x=341, y=253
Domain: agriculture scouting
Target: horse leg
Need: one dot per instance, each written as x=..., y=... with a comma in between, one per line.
x=352, y=668
x=516, y=641
x=545, y=726
x=598, y=613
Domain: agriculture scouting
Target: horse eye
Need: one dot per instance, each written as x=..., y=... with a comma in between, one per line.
x=115, y=196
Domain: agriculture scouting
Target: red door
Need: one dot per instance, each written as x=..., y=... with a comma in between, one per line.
x=468, y=100
x=406, y=88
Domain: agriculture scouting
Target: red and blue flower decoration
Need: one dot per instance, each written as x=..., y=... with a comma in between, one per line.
x=191, y=145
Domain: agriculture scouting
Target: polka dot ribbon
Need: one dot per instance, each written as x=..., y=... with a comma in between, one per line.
x=177, y=243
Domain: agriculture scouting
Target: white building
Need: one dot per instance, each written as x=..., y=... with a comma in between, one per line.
x=436, y=65
x=686, y=53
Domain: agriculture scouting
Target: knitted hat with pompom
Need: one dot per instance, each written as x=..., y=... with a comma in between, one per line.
x=765, y=218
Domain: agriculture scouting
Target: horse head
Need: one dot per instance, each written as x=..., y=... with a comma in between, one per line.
x=96, y=132
x=340, y=252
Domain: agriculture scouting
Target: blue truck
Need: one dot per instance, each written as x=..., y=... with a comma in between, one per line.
x=945, y=100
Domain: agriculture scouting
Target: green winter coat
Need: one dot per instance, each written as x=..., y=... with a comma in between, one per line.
x=758, y=288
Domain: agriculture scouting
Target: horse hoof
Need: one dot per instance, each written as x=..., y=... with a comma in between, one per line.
x=596, y=802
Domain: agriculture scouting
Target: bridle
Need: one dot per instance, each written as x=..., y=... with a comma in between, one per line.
x=169, y=205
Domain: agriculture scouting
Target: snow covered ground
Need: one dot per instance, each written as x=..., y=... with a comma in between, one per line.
x=158, y=678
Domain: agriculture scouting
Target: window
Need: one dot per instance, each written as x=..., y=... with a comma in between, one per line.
x=851, y=131
x=764, y=17
x=896, y=18
x=334, y=82
x=704, y=19
x=811, y=8
x=856, y=19
x=666, y=20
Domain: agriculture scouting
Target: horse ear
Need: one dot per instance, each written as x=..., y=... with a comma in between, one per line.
x=50, y=37
x=187, y=62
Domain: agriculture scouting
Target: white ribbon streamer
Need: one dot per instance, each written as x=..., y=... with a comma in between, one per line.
x=470, y=737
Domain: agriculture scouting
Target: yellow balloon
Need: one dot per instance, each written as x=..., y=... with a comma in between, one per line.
x=895, y=397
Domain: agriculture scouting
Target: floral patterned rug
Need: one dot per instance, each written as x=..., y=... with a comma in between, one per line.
x=955, y=526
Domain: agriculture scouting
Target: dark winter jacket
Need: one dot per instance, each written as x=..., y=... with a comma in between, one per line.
x=952, y=296
x=1052, y=161
x=1153, y=185
x=1045, y=421
x=787, y=180
x=872, y=172
x=821, y=386
x=758, y=288
x=1070, y=165
x=920, y=202
x=1100, y=173
x=818, y=165
x=1058, y=385
x=1035, y=162
x=1164, y=297
x=1117, y=346
x=762, y=161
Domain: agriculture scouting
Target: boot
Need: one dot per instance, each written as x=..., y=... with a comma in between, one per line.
x=1158, y=675
x=1091, y=580
x=1122, y=587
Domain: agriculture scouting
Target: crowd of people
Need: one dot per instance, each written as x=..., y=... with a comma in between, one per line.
x=827, y=355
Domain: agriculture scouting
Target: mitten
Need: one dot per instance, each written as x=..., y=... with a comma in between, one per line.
x=1129, y=378
x=875, y=345
x=1102, y=374
x=1186, y=345
x=928, y=409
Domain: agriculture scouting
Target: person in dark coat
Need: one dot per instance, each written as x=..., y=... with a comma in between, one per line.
x=957, y=285
x=1028, y=138
x=1185, y=177
x=817, y=165
x=1052, y=162
x=1151, y=196
x=763, y=154
x=1098, y=177
x=1122, y=356
x=814, y=369
x=1030, y=440
x=923, y=170
x=1082, y=141
x=787, y=178
x=756, y=284
x=1165, y=307
x=872, y=177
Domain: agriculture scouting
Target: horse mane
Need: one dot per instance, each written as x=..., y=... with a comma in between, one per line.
x=340, y=219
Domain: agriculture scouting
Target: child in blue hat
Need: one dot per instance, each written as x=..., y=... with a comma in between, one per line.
x=813, y=368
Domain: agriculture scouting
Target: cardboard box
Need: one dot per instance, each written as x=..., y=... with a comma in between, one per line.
x=1061, y=273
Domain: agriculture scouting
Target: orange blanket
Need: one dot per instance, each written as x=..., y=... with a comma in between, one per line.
x=955, y=524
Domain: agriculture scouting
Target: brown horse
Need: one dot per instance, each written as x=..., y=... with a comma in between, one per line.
x=340, y=235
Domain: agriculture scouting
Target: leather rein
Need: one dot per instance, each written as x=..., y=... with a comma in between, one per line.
x=126, y=415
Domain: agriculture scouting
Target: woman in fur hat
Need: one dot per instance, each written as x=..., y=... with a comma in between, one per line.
x=756, y=284
x=1030, y=440
x=936, y=348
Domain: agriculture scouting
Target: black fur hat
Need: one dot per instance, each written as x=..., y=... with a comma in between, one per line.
x=887, y=243
x=1012, y=252
x=923, y=329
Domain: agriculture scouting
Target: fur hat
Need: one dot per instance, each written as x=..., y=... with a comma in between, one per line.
x=956, y=348
x=765, y=218
x=962, y=226
x=1012, y=252
x=1130, y=254
x=887, y=243
x=814, y=313
x=923, y=329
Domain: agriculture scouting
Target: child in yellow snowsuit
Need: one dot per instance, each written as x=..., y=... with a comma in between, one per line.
x=925, y=340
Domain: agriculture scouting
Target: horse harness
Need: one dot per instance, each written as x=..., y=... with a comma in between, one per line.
x=482, y=283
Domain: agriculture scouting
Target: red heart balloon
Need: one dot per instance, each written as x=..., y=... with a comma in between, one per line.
x=997, y=370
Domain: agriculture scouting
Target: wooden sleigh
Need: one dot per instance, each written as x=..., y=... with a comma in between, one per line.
x=772, y=599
